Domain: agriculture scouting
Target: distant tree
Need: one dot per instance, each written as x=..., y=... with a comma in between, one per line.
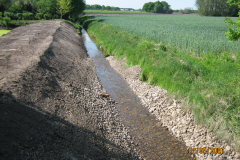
x=108, y=8
x=186, y=11
x=157, y=7
x=103, y=7
x=216, y=8
x=64, y=6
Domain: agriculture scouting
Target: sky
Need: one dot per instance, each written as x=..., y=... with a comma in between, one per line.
x=136, y=4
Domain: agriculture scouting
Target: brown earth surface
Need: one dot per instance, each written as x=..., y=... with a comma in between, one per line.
x=51, y=101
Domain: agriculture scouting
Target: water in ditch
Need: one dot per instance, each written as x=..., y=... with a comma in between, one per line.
x=154, y=141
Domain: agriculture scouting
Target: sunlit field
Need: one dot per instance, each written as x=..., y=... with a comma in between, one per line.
x=2, y=32
x=187, y=32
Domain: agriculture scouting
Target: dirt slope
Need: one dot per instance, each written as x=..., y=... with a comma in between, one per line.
x=51, y=103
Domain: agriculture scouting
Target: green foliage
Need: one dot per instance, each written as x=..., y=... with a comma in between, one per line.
x=216, y=8
x=188, y=33
x=49, y=8
x=64, y=6
x=9, y=14
x=163, y=47
x=7, y=20
x=101, y=7
x=157, y=7
x=232, y=34
x=19, y=16
x=15, y=9
x=25, y=16
x=73, y=22
x=39, y=16
x=47, y=16
x=46, y=6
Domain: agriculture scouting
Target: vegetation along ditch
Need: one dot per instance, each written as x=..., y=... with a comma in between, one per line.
x=194, y=62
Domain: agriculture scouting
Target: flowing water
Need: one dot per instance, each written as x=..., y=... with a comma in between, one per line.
x=153, y=141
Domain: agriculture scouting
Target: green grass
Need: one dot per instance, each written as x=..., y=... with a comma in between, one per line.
x=2, y=32
x=100, y=11
x=196, y=34
x=210, y=82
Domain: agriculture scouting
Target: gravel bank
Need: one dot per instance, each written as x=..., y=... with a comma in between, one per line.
x=51, y=101
x=179, y=121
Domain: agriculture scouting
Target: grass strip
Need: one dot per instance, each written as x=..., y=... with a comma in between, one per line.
x=2, y=32
x=210, y=84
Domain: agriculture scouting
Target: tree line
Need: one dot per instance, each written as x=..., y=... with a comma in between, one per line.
x=41, y=9
x=216, y=8
x=157, y=7
x=101, y=7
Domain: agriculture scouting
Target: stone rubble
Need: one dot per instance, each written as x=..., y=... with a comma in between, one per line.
x=179, y=121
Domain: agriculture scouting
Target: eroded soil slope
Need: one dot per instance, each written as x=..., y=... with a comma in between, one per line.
x=51, y=103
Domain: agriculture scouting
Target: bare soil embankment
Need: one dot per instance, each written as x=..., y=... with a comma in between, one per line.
x=51, y=103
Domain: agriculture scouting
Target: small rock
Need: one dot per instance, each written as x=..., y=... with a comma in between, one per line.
x=227, y=150
x=174, y=114
x=237, y=156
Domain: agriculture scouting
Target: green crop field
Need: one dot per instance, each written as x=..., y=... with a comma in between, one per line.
x=187, y=32
x=100, y=11
x=2, y=32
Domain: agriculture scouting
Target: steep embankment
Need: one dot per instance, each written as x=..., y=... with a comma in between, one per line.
x=51, y=103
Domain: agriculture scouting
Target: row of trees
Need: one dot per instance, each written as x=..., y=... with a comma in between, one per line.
x=157, y=7
x=41, y=9
x=101, y=7
x=216, y=8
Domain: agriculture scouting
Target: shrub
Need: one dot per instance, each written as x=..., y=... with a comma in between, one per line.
x=19, y=16
x=163, y=47
x=55, y=16
x=30, y=16
x=39, y=16
x=25, y=16
x=7, y=21
x=47, y=16
x=0, y=15
x=9, y=14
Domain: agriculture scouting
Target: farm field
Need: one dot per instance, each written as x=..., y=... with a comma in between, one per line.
x=2, y=32
x=187, y=32
x=187, y=55
x=100, y=11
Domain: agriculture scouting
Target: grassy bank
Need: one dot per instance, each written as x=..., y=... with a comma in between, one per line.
x=2, y=32
x=210, y=83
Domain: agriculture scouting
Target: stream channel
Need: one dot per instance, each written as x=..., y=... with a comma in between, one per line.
x=152, y=140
